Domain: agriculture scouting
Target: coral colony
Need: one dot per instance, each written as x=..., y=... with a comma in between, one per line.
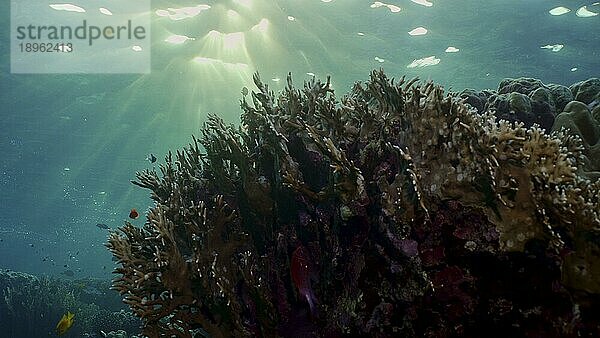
x=394, y=211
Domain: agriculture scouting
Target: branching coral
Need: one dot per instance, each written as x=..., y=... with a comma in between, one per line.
x=377, y=209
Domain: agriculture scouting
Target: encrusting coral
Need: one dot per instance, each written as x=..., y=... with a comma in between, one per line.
x=396, y=211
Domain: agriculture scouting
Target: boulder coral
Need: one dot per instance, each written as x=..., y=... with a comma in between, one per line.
x=396, y=210
x=586, y=91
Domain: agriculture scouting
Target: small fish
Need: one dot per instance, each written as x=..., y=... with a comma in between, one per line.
x=244, y=91
x=68, y=273
x=151, y=158
x=65, y=323
x=102, y=226
x=301, y=269
x=133, y=214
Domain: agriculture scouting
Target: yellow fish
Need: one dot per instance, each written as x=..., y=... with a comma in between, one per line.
x=65, y=323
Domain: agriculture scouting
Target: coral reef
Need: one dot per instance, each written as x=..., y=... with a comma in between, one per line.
x=552, y=107
x=31, y=306
x=525, y=100
x=395, y=211
x=586, y=91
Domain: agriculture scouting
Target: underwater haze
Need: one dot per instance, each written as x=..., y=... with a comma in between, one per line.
x=71, y=143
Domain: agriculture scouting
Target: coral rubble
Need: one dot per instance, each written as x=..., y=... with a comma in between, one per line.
x=395, y=211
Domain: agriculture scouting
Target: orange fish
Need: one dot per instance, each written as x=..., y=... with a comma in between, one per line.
x=133, y=214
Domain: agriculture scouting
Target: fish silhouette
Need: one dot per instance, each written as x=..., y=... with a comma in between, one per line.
x=68, y=273
x=102, y=226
